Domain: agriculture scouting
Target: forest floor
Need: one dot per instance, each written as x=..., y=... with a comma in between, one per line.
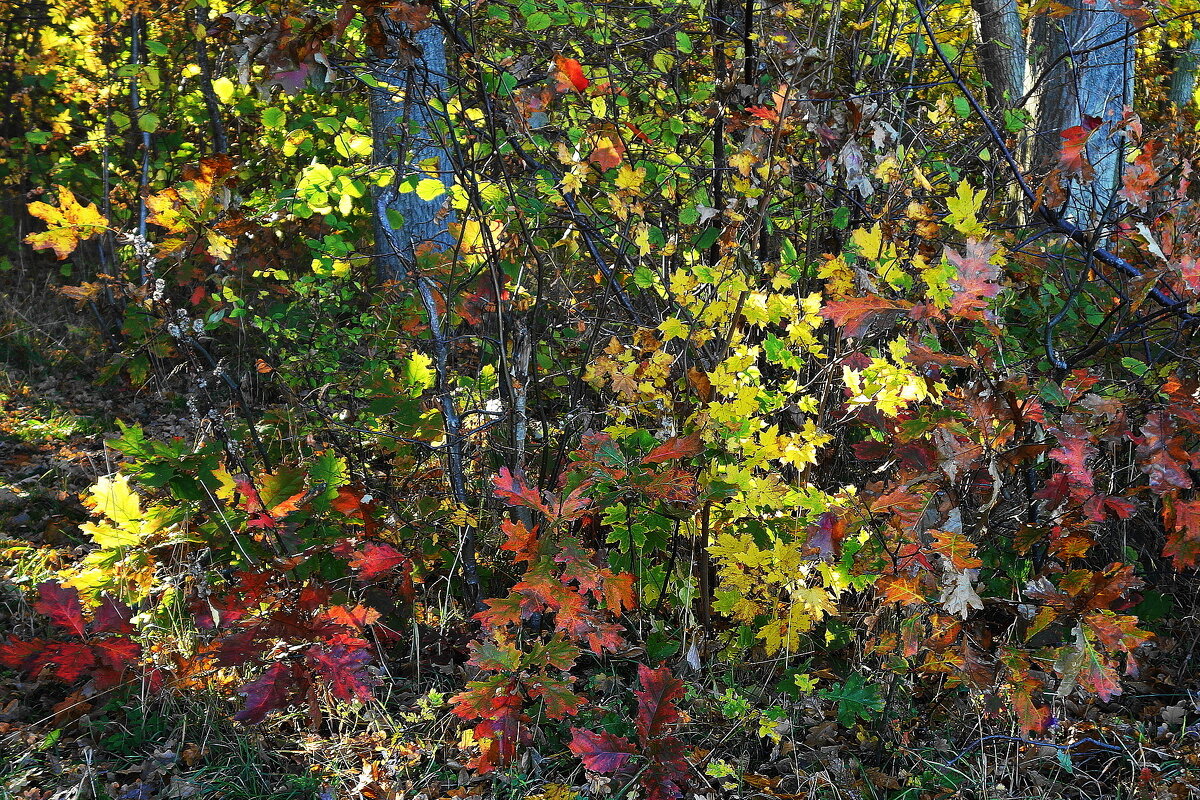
x=127, y=744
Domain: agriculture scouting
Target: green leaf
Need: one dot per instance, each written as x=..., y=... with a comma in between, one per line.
x=683, y=42
x=149, y=122
x=538, y=21
x=1133, y=365
x=157, y=48
x=707, y=237
x=855, y=700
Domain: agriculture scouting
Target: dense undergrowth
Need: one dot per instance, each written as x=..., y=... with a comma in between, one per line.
x=749, y=435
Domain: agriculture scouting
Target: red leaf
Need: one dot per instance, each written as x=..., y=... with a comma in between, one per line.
x=557, y=697
x=1074, y=151
x=854, y=316
x=674, y=448
x=521, y=540
x=1183, y=533
x=1161, y=454
x=113, y=657
x=61, y=605
x=345, y=670
x=977, y=279
x=511, y=488
x=23, y=656
x=376, y=559
x=71, y=660
x=656, y=701
x=601, y=752
x=569, y=74
x=609, y=151
x=112, y=616
x=269, y=693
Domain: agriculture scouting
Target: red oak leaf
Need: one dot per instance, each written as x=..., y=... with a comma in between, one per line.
x=656, y=701
x=71, y=660
x=557, y=697
x=61, y=605
x=1183, y=533
x=675, y=448
x=344, y=669
x=1161, y=454
x=601, y=752
x=855, y=315
x=376, y=559
x=977, y=279
x=512, y=489
x=23, y=656
x=112, y=616
x=1074, y=150
x=269, y=693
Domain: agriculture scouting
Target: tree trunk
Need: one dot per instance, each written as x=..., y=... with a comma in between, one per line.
x=405, y=133
x=1183, y=78
x=1002, y=53
x=1087, y=72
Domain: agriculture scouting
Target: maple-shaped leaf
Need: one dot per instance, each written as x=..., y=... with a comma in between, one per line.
x=502, y=611
x=1081, y=664
x=569, y=74
x=825, y=537
x=487, y=698
x=1140, y=177
x=1183, y=533
x=557, y=698
x=344, y=669
x=1117, y=632
x=609, y=151
x=376, y=559
x=667, y=769
x=513, y=489
x=269, y=693
x=977, y=280
x=355, y=618
x=500, y=737
x=676, y=447
x=1074, y=149
x=656, y=701
x=1024, y=689
x=856, y=315
x=69, y=224
x=61, y=604
x=601, y=751
x=1074, y=451
x=112, y=616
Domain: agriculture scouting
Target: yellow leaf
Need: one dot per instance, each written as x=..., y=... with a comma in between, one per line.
x=113, y=498
x=430, y=189
x=630, y=179
x=109, y=537
x=70, y=224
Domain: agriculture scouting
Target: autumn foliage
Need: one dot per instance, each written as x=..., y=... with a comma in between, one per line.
x=740, y=387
